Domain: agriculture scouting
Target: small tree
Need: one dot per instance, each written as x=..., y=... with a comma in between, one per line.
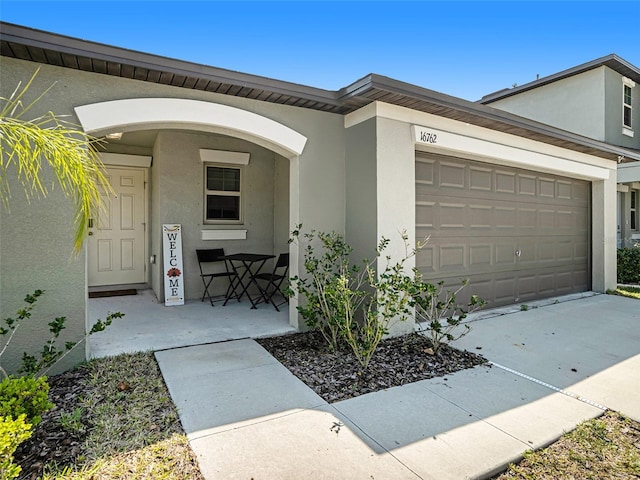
x=438, y=314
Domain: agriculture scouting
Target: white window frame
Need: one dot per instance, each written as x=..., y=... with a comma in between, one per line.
x=627, y=83
x=633, y=210
x=224, y=193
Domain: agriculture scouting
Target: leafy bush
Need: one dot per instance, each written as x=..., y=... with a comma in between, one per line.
x=348, y=302
x=23, y=400
x=24, y=396
x=50, y=353
x=629, y=265
x=12, y=433
x=438, y=314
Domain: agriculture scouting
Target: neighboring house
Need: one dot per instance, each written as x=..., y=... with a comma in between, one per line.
x=522, y=209
x=600, y=100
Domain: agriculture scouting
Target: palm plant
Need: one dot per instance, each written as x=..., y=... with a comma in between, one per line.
x=71, y=154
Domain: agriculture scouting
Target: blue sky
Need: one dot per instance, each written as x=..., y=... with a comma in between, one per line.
x=462, y=48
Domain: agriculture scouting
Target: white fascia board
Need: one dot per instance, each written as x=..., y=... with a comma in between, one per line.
x=143, y=113
x=519, y=145
x=446, y=142
x=629, y=172
x=125, y=160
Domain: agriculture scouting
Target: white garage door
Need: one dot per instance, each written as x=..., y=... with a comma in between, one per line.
x=517, y=235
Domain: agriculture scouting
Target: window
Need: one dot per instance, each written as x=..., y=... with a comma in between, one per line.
x=626, y=107
x=634, y=209
x=223, y=199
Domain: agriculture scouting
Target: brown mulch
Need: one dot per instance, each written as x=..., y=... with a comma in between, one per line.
x=49, y=441
x=336, y=376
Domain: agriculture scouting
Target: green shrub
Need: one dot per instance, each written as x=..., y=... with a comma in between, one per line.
x=346, y=302
x=629, y=265
x=13, y=431
x=51, y=351
x=27, y=396
x=439, y=316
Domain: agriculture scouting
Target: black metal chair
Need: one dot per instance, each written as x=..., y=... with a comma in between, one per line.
x=207, y=260
x=274, y=281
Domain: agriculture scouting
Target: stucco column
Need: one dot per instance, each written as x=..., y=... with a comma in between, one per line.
x=603, y=235
x=396, y=194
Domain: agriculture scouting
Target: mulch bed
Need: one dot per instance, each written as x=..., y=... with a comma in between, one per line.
x=336, y=376
x=50, y=442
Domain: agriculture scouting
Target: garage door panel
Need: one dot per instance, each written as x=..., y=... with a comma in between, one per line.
x=425, y=260
x=480, y=256
x=504, y=289
x=526, y=185
x=581, y=252
x=526, y=218
x=582, y=279
x=452, y=175
x=452, y=215
x=565, y=219
x=480, y=179
x=547, y=283
x=564, y=282
x=425, y=172
x=452, y=257
x=425, y=214
x=546, y=187
x=527, y=287
x=480, y=216
x=515, y=234
x=505, y=253
x=505, y=217
x=564, y=190
x=581, y=192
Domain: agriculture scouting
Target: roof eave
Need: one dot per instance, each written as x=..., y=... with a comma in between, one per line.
x=612, y=61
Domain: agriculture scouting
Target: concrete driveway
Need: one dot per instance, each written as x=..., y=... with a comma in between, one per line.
x=552, y=367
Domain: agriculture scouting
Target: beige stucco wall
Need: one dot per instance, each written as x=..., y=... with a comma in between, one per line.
x=575, y=104
x=36, y=245
x=313, y=182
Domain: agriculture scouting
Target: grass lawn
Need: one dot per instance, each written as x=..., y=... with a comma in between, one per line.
x=631, y=292
x=600, y=449
x=132, y=426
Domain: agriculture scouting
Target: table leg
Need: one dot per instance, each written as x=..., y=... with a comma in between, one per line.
x=252, y=279
x=240, y=278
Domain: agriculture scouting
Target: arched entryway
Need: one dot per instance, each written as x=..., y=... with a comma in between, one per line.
x=189, y=135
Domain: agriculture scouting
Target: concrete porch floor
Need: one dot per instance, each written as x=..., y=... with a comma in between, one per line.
x=149, y=325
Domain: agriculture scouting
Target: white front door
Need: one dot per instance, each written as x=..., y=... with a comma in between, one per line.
x=116, y=246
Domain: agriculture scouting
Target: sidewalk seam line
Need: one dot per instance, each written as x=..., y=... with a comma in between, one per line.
x=552, y=387
x=375, y=441
x=479, y=418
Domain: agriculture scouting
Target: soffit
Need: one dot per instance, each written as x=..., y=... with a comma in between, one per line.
x=52, y=49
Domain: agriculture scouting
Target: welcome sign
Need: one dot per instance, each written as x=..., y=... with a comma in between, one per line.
x=173, y=273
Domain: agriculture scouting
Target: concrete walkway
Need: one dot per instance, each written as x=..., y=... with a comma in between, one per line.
x=248, y=417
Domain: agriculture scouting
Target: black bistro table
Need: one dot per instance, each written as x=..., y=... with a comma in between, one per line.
x=246, y=266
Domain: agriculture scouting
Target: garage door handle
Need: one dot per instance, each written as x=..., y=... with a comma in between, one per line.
x=518, y=253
